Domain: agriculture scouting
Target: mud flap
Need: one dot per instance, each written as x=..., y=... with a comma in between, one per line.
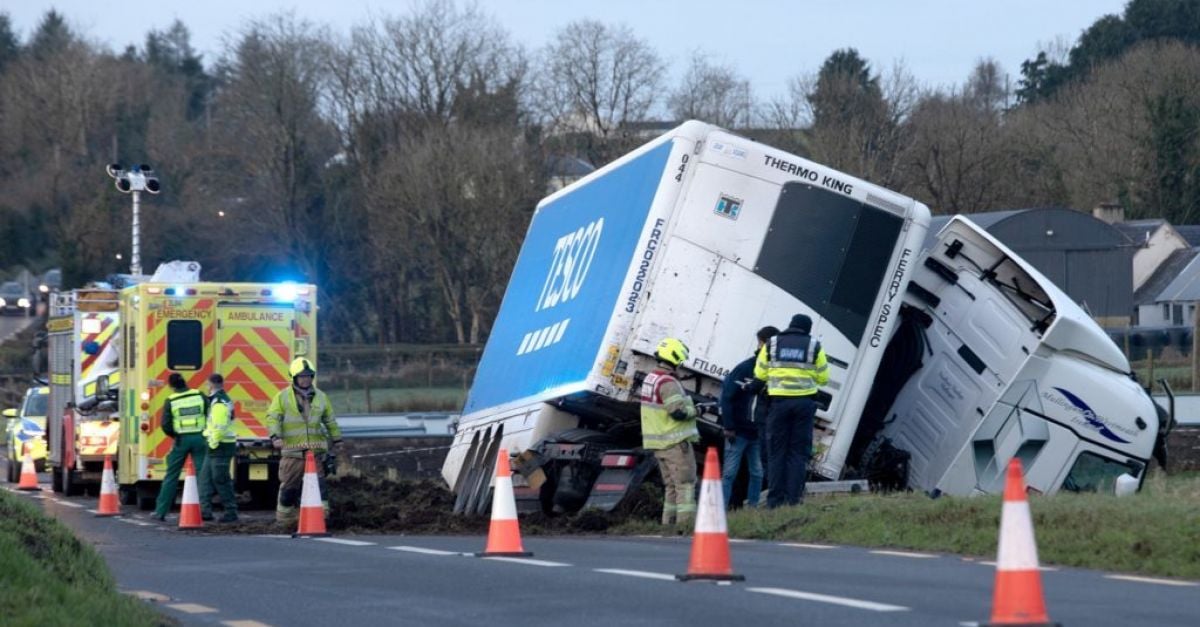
x=615, y=483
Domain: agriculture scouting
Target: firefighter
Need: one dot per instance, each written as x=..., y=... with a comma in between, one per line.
x=183, y=419
x=793, y=366
x=222, y=444
x=300, y=419
x=669, y=429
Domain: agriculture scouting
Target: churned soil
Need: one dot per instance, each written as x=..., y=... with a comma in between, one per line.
x=363, y=505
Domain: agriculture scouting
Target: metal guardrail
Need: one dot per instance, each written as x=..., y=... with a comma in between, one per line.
x=405, y=425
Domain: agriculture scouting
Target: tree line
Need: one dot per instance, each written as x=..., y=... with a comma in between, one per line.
x=397, y=165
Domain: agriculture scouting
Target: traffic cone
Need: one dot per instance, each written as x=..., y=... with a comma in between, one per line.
x=108, y=491
x=189, y=509
x=29, y=478
x=1018, y=598
x=710, y=543
x=504, y=534
x=312, y=511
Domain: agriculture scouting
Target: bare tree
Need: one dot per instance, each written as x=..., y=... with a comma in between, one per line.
x=712, y=92
x=593, y=79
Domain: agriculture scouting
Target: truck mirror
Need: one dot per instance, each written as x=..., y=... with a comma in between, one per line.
x=102, y=386
x=1126, y=484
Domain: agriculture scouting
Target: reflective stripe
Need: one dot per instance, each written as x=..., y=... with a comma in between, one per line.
x=659, y=429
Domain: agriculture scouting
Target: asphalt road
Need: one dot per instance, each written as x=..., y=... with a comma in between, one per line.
x=207, y=579
x=11, y=324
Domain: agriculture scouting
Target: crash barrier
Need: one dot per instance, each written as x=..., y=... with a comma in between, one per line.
x=710, y=543
x=1018, y=598
x=504, y=533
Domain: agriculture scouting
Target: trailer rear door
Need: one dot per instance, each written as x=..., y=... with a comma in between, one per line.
x=255, y=348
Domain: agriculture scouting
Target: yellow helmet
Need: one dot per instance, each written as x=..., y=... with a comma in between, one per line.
x=672, y=351
x=301, y=366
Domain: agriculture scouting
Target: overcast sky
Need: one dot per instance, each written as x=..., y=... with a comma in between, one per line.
x=768, y=41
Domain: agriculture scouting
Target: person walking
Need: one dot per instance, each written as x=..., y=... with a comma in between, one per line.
x=793, y=366
x=669, y=429
x=741, y=403
x=222, y=445
x=183, y=419
x=300, y=419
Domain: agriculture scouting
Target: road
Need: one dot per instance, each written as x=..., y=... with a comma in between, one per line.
x=12, y=324
x=208, y=579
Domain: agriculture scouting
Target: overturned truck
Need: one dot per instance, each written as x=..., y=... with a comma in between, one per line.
x=946, y=360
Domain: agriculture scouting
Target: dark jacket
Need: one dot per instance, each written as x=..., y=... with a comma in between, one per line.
x=737, y=400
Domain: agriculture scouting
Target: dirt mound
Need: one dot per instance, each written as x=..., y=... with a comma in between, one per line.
x=369, y=505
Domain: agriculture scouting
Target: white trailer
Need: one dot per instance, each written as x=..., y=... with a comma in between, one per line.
x=944, y=363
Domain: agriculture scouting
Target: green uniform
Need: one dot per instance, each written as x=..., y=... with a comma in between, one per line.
x=303, y=423
x=669, y=429
x=183, y=418
x=222, y=445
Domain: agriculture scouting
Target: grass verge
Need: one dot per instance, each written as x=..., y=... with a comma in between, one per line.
x=385, y=400
x=1155, y=532
x=49, y=577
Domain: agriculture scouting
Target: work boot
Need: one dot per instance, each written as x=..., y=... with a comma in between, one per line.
x=229, y=518
x=206, y=517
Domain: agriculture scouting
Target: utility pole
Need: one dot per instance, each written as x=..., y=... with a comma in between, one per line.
x=139, y=178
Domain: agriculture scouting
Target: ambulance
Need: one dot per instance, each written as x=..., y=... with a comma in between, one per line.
x=247, y=332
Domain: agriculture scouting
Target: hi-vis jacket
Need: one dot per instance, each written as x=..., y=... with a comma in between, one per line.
x=184, y=413
x=220, y=420
x=792, y=364
x=663, y=398
x=302, y=430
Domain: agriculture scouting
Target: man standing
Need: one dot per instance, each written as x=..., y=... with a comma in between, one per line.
x=738, y=416
x=793, y=366
x=222, y=444
x=183, y=419
x=669, y=429
x=300, y=419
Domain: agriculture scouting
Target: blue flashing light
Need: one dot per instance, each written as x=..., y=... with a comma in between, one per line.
x=287, y=291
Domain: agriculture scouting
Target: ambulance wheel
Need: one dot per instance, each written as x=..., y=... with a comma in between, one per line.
x=128, y=495
x=13, y=475
x=147, y=497
x=56, y=479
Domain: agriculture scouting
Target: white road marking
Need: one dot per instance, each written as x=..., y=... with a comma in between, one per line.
x=92, y=511
x=192, y=608
x=272, y=535
x=740, y=541
x=522, y=560
x=423, y=550
x=344, y=541
x=920, y=556
x=244, y=623
x=1164, y=582
x=636, y=573
x=803, y=545
x=834, y=600
x=68, y=503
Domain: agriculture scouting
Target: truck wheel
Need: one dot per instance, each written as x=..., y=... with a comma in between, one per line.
x=71, y=485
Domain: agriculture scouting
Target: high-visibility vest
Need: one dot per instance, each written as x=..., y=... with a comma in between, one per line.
x=285, y=421
x=220, y=421
x=792, y=364
x=662, y=394
x=187, y=411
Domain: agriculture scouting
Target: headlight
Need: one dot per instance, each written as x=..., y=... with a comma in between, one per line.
x=24, y=302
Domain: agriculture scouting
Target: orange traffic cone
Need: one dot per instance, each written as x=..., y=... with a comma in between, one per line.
x=1018, y=598
x=189, y=509
x=504, y=534
x=108, y=491
x=710, y=544
x=29, y=479
x=312, y=511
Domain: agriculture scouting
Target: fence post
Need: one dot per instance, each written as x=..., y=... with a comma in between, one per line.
x=368, y=390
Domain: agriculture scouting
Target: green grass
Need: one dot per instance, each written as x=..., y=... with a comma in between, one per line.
x=49, y=577
x=384, y=400
x=1155, y=532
